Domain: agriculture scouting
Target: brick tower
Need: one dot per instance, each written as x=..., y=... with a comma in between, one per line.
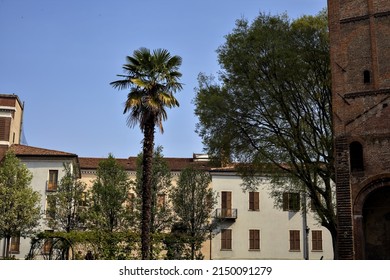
x=360, y=57
x=11, y=116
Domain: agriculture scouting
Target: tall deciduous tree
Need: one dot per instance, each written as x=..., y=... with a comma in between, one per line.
x=68, y=203
x=273, y=105
x=193, y=201
x=152, y=78
x=109, y=198
x=19, y=203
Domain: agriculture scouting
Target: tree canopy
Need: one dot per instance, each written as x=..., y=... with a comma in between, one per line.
x=67, y=204
x=193, y=201
x=272, y=106
x=20, y=209
x=109, y=198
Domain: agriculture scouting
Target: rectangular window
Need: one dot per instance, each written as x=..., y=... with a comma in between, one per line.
x=254, y=239
x=53, y=180
x=316, y=239
x=15, y=245
x=5, y=126
x=226, y=239
x=226, y=201
x=254, y=201
x=295, y=242
x=291, y=202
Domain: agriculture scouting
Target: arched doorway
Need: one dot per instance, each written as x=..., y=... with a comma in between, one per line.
x=376, y=224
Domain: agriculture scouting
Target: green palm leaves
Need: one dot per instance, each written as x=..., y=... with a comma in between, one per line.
x=152, y=78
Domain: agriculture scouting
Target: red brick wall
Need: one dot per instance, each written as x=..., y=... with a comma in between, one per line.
x=359, y=36
x=7, y=101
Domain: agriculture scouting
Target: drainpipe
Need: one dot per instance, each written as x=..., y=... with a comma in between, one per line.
x=305, y=231
x=211, y=245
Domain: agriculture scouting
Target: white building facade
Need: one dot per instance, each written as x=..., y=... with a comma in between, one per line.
x=251, y=227
x=47, y=168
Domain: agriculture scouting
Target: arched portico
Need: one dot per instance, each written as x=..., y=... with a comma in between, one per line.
x=372, y=219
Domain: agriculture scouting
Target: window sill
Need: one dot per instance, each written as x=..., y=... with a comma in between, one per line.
x=294, y=251
x=317, y=250
x=254, y=250
x=226, y=250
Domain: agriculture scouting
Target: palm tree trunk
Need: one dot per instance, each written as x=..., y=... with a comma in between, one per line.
x=148, y=146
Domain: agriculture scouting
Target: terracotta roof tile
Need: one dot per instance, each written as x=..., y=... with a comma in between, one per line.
x=174, y=164
x=23, y=150
x=92, y=163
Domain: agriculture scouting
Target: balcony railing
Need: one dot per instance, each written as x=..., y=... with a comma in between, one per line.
x=226, y=213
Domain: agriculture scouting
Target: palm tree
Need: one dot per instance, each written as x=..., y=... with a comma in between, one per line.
x=152, y=79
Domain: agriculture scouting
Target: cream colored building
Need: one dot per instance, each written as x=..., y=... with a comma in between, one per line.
x=252, y=228
x=248, y=224
x=47, y=168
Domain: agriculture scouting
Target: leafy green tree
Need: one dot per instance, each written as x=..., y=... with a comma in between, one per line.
x=109, y=198
x=193, y=201
x=152, y=78
x=19, y=204
x=162, y=215
x=68, y=203
x=272, y=107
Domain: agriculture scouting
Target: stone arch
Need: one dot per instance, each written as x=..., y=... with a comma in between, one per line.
x=372, y=219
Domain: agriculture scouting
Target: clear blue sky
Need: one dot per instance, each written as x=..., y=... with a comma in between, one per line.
x=60, y=56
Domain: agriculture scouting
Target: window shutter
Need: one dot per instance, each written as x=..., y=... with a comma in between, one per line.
x=5, y=126
x=317, y=240
x=295, y=203
x=285, y=201
x=254, y=239
x=294, y=240
x=226, y=239
x=257, y=201
x=254, y=201
x=226, y=204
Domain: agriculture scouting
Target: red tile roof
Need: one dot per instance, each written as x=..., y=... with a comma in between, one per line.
x=174, y=164
x=23, y=150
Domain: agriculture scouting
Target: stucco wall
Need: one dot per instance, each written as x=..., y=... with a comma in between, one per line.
x=40, y=171
x=274, y=225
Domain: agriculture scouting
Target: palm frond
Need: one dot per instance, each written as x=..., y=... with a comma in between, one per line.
x=141, y=83
x=152, y=78
x=121, y=84
x=168, y=99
